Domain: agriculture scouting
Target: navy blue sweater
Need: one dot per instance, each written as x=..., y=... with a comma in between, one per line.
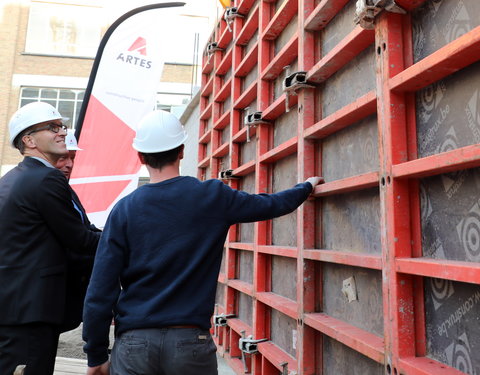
x=163, y=245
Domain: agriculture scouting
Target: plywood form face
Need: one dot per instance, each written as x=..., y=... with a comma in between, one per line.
x=284, y=277
x=246, y=229
x=220, y=295
x=244, y=307
x=284, y=332
x=351, y=82
x=337, y=29
x=250, y=78
x=352, y=223
x=226, y=134
x=351, y=151
x=451, y=216
x=437, y=23
x=447, y=113
x=452, y=321
x=366, y=311
x=244, y=266
x=284, y=127
x=284, y=228
x=340, y=359
x=248, y=150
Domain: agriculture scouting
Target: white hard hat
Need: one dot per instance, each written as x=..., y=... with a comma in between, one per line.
x=71, y=141
x=157, y=132
x=31, y=114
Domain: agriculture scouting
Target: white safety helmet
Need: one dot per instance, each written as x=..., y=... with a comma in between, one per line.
x=157, y=132
x=71, y=141
x=32, y=114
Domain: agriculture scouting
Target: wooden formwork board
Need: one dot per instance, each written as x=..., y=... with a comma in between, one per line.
x=378, y=272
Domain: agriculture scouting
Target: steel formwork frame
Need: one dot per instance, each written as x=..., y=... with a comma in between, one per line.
x=224, y=97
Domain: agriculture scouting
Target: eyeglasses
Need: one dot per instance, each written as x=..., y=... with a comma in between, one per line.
x=55, y=128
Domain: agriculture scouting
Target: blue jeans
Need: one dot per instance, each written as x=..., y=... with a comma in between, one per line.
x=164, y=351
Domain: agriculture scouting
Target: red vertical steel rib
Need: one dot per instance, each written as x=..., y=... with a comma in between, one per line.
x=395, y=227
x=306, y=360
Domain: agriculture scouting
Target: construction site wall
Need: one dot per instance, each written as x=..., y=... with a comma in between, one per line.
x=378, y=272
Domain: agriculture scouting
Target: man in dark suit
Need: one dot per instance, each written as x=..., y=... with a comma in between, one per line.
x=79, y=267
x=37, y=224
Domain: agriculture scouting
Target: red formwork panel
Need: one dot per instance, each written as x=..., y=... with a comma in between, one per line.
x=378, y=272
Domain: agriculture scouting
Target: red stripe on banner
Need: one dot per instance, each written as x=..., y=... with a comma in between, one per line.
x=98, y=196
x=115, y=155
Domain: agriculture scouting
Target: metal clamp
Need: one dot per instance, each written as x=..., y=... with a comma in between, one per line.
x=248, y=346
x=230, y=14
x=252, y=120
x=367, y=10
x=220, y=320
x=292, y=83
x=226, y=174
x=211, y=49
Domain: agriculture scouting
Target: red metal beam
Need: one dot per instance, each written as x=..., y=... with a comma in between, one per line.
x=245, y=169
x=221, y=151
x=410, y=4
x=349, y=258
x=468, y=272
x=241, y=135
x=249, y=28
x=204, y=163
x=225, y=91
x=284, y=251
x=447, y=60
x=348, y=115
x=323, y=14
x=280, y=152
x=248, y=63
x=241, y=246
x=208, y=88
x=223, y=121
x=244, y=6
x=283, y=58
x=207, y=113
x=225, y=38
x=366, y=343
x=341, y=55
x=284, y=305
x=278, y=107
x=282, y=18
x=346, y=185
x=277, y=356
x=204, y=139
x=425, y=366
x=241, y=286
x=461, y=158
x=226, y=63
x=247, y=96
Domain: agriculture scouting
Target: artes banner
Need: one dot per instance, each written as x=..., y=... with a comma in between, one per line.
x=121, y=90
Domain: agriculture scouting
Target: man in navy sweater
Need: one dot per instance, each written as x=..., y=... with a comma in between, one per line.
x=158, y=260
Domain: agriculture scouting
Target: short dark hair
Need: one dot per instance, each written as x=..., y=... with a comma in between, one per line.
x=158, y=160
x=18, y=141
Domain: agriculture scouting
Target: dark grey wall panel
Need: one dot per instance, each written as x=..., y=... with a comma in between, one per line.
x=339, y=359
x=352, y=223
x=284, y=332
x=439, y=22
x=247, y=229
x=452, y=312
x=338, y=28
x=450, y=208
x=284, y=228
x=351, y=151
x=367, y=311
x=284, y=277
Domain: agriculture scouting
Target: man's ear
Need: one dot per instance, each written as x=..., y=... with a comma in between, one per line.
x=29, y=141
x=141, y=158
x=180, y=155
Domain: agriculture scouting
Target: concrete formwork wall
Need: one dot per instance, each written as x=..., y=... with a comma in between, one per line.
x=377, y=273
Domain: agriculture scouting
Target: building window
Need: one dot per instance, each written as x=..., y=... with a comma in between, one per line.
x=67, y=101
x=172, y=102
x=62, y=29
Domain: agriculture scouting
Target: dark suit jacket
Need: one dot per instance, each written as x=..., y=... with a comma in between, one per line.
x=37, y=223
x=79, y=270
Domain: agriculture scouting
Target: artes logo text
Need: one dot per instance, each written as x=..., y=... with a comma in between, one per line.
x=137, y=54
